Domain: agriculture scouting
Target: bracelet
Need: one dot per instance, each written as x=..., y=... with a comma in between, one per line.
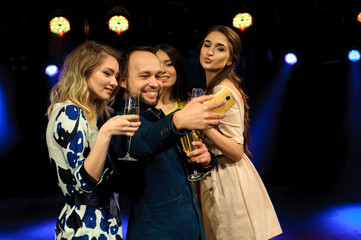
x=208, y=165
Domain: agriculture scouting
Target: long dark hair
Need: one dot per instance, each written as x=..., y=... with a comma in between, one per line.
x=181, y=89
x=228, y=73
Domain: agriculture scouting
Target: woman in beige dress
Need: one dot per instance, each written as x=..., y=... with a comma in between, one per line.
x=235, y=202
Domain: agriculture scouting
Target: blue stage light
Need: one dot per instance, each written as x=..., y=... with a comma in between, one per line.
x=290, y=58
x=8, y=126
x=51, y=70
x=37, y=230
x=266, y=120
x=345, y=218
x=353, y=55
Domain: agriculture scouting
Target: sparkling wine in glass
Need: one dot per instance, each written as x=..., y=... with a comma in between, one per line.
x=188, y=139
x=131, y=107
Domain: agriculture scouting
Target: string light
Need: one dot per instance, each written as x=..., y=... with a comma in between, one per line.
x=242, y=21
x=59, y=25
x=359, y=17
x=118, y=24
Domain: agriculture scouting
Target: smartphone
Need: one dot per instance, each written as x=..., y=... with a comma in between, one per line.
x=225, y=94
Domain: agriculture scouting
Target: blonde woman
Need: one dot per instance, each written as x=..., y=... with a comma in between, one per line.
x=235, y=203
x=78, y=150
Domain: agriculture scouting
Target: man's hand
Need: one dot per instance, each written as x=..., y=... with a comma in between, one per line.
x=197, y=116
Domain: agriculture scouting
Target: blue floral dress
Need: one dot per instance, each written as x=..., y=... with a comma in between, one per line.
x=86, y=214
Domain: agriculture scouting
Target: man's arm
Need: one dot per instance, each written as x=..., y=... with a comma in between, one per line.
x=197, y=116
x=154, y=137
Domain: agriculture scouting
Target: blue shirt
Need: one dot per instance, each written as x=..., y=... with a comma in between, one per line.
x=163, y=204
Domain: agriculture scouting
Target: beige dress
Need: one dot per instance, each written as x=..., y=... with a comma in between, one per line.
x=235, y=202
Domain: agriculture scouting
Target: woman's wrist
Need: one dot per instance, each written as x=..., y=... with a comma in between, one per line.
x=104, y=133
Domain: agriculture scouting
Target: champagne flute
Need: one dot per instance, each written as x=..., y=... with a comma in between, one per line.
x=131, y=107
x=189, y=138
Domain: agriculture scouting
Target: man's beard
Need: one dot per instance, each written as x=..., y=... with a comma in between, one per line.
x=146, y=104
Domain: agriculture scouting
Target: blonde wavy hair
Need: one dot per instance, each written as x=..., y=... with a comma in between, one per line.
x=73, y=86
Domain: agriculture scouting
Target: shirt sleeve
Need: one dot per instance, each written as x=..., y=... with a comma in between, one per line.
x=71, y=135
x=154, y=137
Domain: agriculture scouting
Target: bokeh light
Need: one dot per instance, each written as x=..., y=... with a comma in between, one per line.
x=290, y=58
x=118, y=24
x=242, y=21
x=353, y=55
x=51, y=70
x=59, y=25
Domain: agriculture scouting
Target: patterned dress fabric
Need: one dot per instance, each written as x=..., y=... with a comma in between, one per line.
x=70, y=138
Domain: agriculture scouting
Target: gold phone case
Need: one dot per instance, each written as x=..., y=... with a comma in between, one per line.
x=225, y=94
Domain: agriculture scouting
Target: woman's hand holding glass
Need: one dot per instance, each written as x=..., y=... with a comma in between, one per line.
x=200, y=153
x=121, y=125
x=195, y=149
x=131, y=108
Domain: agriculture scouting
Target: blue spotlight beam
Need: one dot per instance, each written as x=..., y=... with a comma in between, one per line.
x=8, y=133
x=4, y=120
x=353, y=108
x=352, y=126
x=265, y=123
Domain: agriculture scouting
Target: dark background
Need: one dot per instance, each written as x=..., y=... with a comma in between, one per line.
x=309, y=147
